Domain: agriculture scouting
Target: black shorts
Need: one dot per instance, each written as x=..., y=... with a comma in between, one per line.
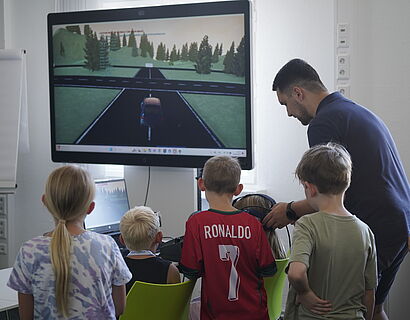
x=388, y=263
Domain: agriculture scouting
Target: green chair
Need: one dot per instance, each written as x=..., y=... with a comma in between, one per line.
x=274, y=289
x=150, y=301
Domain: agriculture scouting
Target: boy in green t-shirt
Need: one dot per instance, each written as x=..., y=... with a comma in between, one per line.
x=332, y=268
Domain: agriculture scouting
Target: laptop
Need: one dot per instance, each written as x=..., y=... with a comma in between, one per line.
x=111, y=202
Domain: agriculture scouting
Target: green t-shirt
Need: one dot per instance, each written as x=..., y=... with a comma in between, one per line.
x=340, y=255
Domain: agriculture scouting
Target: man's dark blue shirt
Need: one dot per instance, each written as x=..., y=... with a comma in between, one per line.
x=379, y=193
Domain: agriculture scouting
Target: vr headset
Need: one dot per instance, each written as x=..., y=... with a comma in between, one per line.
x=257, y=211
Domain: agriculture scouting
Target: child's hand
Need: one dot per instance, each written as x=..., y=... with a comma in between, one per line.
x=313, y=303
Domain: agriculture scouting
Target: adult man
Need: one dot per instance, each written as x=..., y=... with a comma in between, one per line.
x=379, y=193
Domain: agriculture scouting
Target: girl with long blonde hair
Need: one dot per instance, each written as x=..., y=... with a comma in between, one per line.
x=70, y=273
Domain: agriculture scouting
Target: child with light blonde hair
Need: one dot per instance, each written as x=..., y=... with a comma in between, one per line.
x=140, y=232
x=70, y=273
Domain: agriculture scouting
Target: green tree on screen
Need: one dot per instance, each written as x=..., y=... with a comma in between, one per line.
x=228, y=61
x=103, y=53
x=87, y=30
x=239, y=59
x=215, y=56
x=204, y=57
x=92, y=53
x=173, y=56
x=184, y=52
x=193, y=51
x=74, y=29
x=132, y=42
x=124, y=40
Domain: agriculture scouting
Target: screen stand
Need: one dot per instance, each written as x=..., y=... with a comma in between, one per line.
x=198, y=191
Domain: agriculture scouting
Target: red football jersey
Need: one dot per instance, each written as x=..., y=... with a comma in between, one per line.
x=230, y=251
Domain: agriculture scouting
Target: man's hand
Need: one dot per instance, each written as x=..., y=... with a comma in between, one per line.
x=277, y=218
x=313, y=303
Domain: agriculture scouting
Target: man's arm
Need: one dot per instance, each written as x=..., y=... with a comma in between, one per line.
x=118, y=297
x=368, y=301
x=26, y=306
x=297, y=275
x=277, y=217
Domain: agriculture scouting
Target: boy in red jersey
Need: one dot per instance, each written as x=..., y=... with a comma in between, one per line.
x=228, y=248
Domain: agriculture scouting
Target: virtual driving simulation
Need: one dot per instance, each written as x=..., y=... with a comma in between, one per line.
x=177, y=82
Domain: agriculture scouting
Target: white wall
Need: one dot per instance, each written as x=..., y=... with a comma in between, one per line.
x=1, y=24
x=285, y=30
x=380, y=67
x=25, y=27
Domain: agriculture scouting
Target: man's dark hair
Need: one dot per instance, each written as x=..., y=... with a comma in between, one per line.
x=297, y=72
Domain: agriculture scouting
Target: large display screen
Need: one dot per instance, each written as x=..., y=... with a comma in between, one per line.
x=157, y=86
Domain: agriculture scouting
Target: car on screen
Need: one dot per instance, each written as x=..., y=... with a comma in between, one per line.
x=151, y=115
x=151, y=112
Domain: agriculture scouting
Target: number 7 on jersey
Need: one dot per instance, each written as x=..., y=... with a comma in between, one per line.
x=231, y=253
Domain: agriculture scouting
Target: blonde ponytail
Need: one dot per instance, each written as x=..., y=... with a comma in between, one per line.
x=68, y=195
x=60, y=259
x=278, y=249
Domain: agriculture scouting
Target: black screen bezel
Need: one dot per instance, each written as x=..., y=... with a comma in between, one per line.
x=141, y=13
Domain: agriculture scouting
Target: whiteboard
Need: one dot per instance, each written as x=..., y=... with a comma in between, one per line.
x=13, y=101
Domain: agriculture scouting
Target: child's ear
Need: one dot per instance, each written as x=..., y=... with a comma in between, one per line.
x=43, y=199
x=91, y=207
x=238, y=190
x=311, y=189
x=201, y=184
x=158, y=237
x=121, y=239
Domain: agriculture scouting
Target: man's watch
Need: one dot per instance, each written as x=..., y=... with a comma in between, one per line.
x=290, y=213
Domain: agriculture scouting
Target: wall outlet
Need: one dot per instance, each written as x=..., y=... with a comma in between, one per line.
x=343, y=29
x=343, y=73
x=343, y=42
x=344, y=90
x=3, y=248
x=3, y=204
x=343, y=60
x=343, y=66
x=3, y=228
x=343, y=36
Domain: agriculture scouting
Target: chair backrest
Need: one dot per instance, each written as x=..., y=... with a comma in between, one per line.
x=274, y=289
x=150, y=301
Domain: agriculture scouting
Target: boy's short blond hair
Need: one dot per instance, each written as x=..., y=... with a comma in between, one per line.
x=327, y=166
x=222, y=174
x=138, y=227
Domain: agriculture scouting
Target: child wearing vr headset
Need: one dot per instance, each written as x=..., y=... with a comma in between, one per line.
x=140, y=232
x=228, y=248
x=259, y=205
